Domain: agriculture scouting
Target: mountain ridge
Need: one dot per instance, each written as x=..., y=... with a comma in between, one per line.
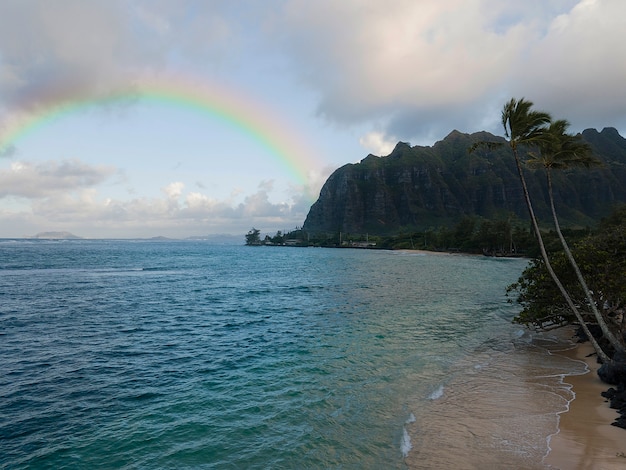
x=416, y=187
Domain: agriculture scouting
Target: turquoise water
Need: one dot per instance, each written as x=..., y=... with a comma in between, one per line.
x=181, y=354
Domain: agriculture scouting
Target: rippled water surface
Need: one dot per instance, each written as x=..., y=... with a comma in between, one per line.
x=181, y=354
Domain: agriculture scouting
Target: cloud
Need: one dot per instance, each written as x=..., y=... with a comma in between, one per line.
x=51, y=52
x=30, y=180
x=69, y=48
x=258, y=205
x=575, y=70
x=375, y=57
x=427, y=67
x=174, y=190
x=81, y=209
x=417, y=68
x=378, y=143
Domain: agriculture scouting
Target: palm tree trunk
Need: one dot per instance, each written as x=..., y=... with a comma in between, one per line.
x=601, y=354
x=608, y=334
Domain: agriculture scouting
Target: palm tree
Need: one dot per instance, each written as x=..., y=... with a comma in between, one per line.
x=560, y=150
x=526, y=127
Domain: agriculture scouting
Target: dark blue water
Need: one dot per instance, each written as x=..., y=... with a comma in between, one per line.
x=181, y=354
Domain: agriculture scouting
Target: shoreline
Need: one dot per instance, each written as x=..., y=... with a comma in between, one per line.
x=521, y=409
x=585, y=438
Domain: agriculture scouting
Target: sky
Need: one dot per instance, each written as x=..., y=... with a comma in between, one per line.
x=185, y=118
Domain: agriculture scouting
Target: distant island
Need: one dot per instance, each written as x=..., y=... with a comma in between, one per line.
x=55, y=236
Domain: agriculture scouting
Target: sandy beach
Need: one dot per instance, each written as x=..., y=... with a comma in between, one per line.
x=586, y=439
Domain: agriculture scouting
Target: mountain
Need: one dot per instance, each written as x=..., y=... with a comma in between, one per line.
x=414, y=188
x=55, y=236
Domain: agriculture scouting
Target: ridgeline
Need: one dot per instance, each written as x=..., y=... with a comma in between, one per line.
x=415, y=189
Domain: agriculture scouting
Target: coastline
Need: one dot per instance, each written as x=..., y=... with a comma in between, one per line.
x=586, y=439
x=520, y=409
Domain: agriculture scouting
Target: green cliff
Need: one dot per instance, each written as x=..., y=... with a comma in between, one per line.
x=414, y=188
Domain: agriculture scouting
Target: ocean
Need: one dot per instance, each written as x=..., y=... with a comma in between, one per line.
x=183, y=354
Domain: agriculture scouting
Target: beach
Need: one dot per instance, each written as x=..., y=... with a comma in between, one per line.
x=537, y=406
x=586, y=439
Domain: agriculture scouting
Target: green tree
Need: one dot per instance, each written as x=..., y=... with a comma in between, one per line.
x=253, y=237
x=559, y=150
x=278, y=239
x=464, y=233
x=495, y=237
x=525, y=127
x=602, y=260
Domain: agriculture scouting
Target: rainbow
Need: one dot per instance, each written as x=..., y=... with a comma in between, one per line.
x=227, y=105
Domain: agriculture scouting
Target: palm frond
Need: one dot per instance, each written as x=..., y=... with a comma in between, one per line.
x=560, y=150
x=521, y=124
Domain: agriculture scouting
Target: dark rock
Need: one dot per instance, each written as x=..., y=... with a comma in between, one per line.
x=620, y=356
x=620, y=422
x=610, y=393
x=617, y=397
x=613, y=373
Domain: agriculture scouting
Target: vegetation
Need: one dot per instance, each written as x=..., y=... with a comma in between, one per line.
x=527, y=127
x=601, y=258
x=253, y=237
x=560, y=150
x=552, y=147
x=474, y=235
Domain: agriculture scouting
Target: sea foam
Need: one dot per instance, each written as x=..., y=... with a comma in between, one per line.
x=405, y=445
x=436, y=394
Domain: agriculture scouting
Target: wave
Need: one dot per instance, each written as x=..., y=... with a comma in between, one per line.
x=436, y=394
x=507, y=399
x=566, y=386
x=405, y=443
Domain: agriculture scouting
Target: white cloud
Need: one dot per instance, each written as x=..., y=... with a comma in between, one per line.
x=425, y=67
x=430, y=66
x=174, y=190
x=53, y=51
x=30, y=180
x=61, y=49
x=378, y=143
x=374, y=56
x=575, y=71
x=81, y=209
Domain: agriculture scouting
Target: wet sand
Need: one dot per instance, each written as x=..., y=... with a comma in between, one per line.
x=586, y=439
x=495, y=410
x=500, y=414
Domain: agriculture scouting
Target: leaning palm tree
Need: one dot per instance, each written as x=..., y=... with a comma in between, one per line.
x=558, y=151
x=526, y=127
